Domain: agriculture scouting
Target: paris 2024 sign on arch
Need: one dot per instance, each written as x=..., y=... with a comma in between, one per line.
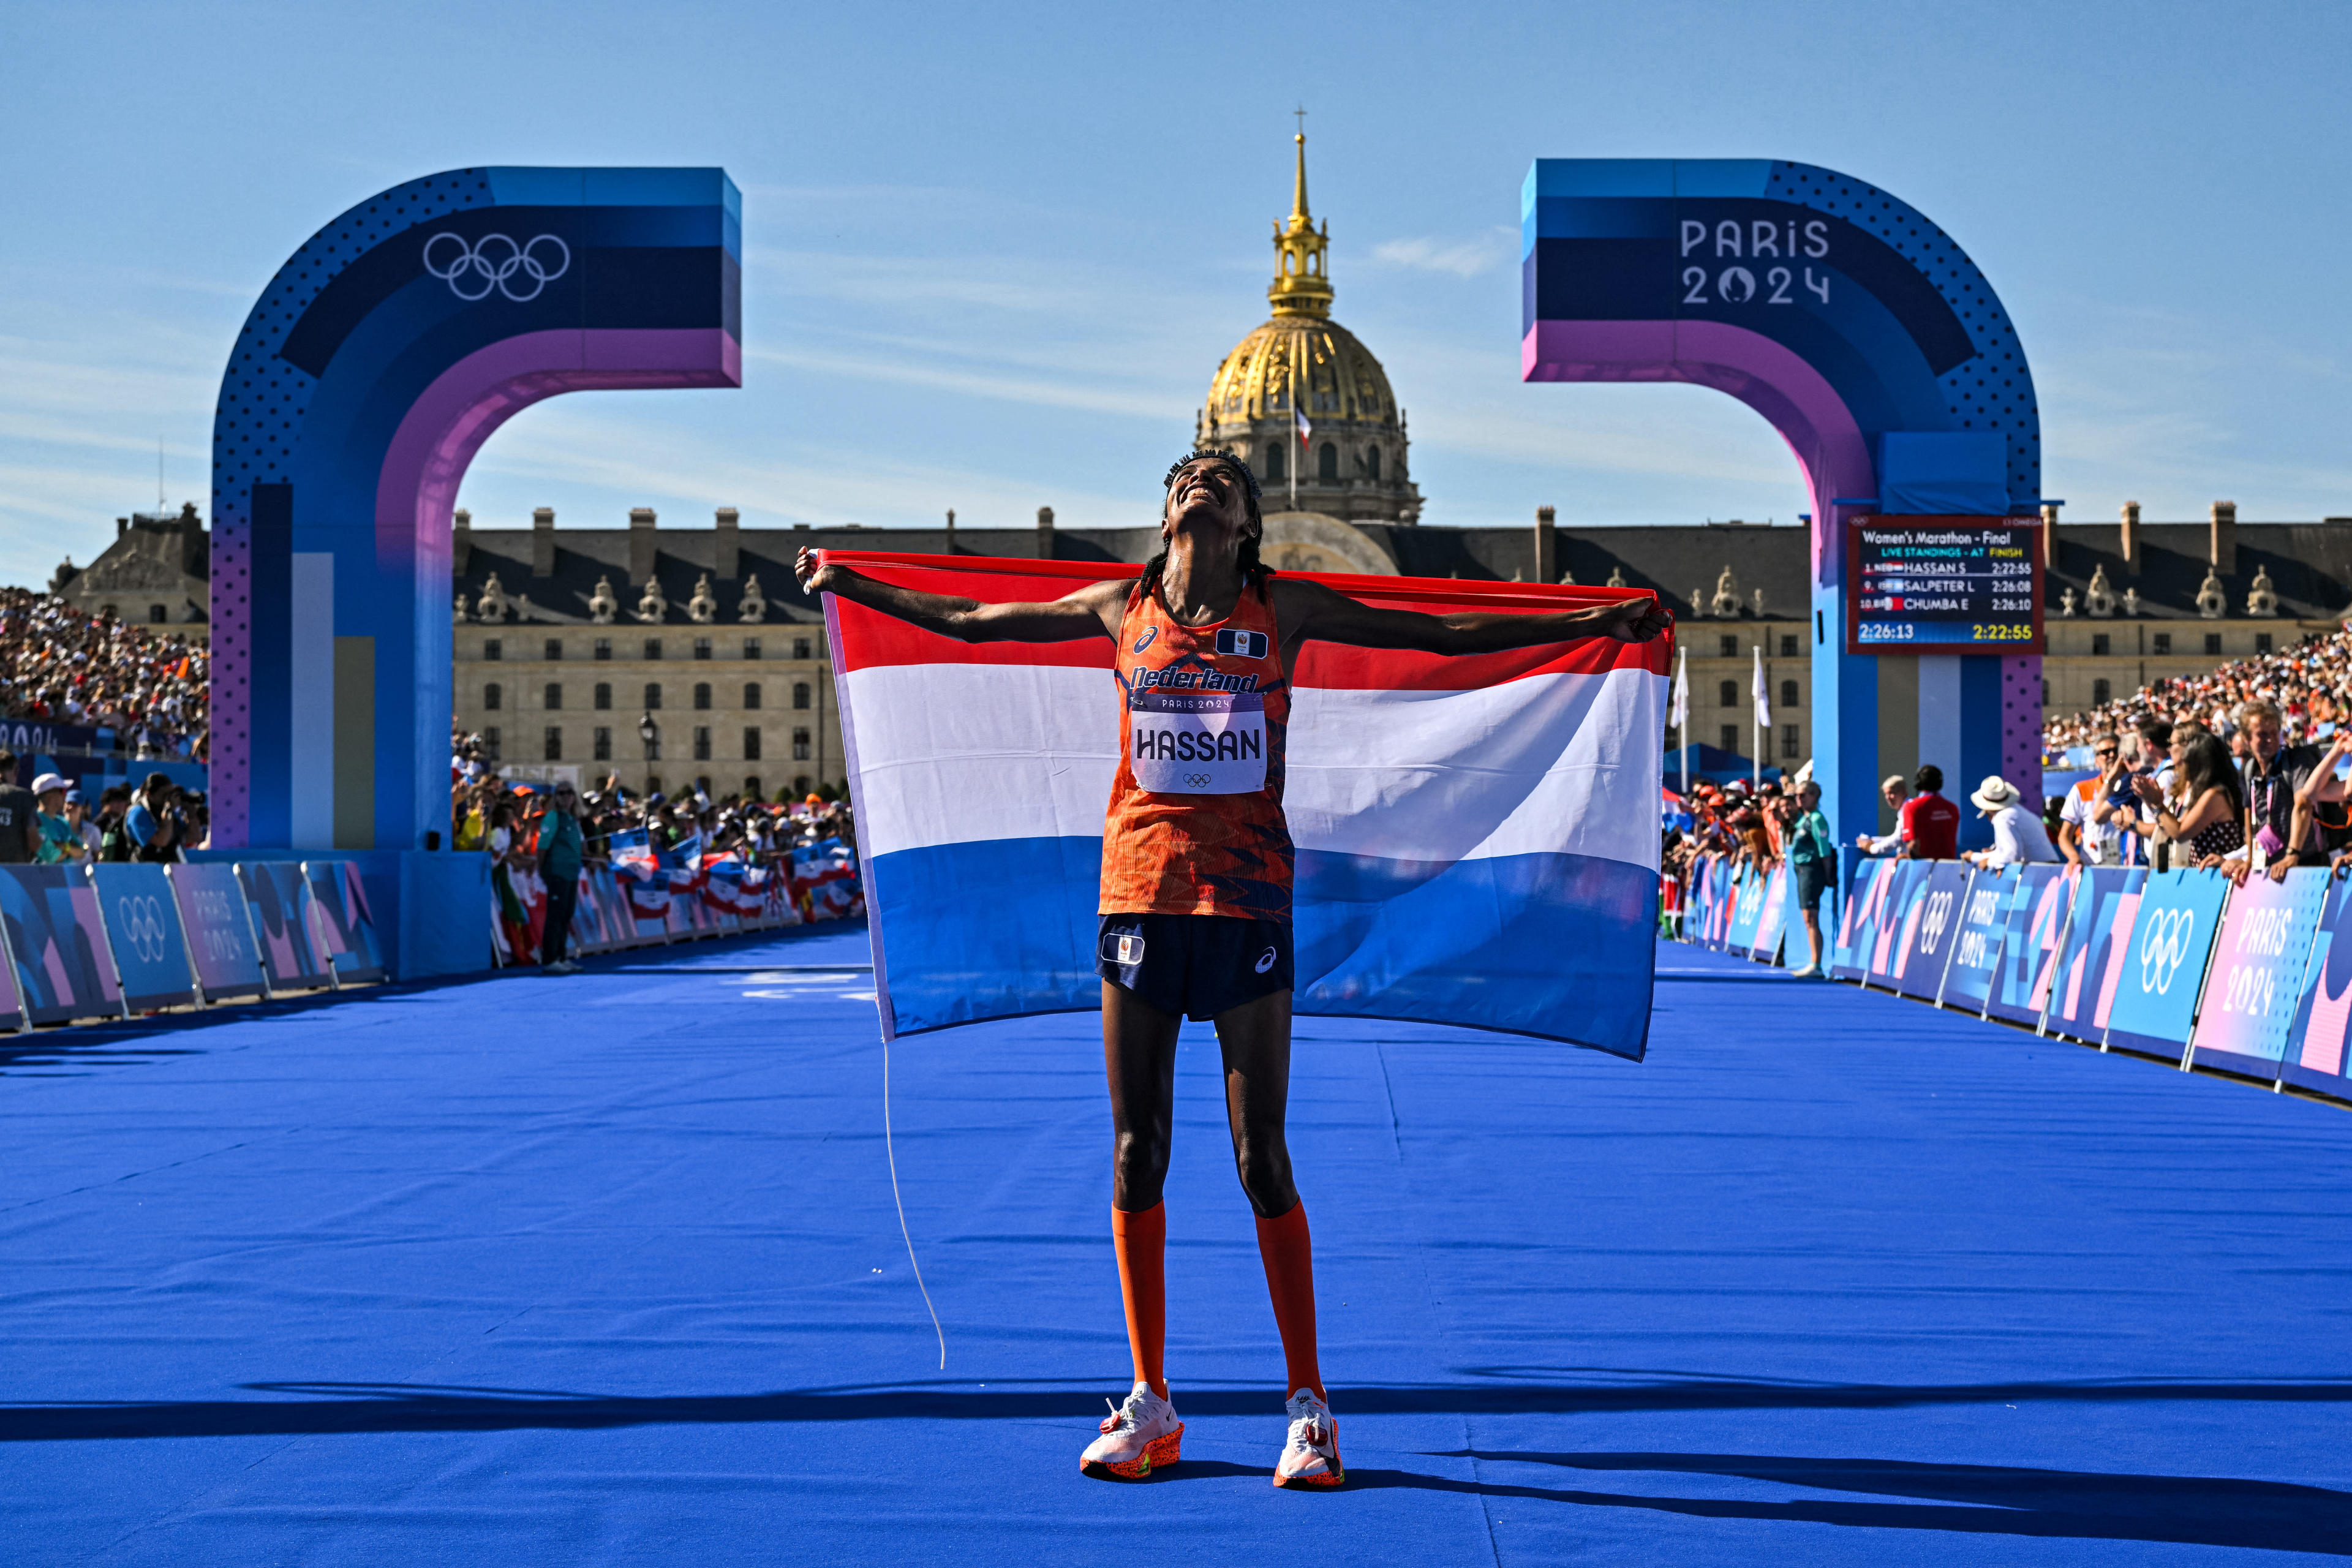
x=1877, y=348
x=386, y=350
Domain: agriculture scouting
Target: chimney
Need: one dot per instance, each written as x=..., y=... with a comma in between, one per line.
x=121, y=526
x=641, y=545
x=542, y=542
x=1044, y=533
x=461, y=540
x=950, y=530
x=726, y=555
x=2131, y=537
x=2224, y=553
x=2049, y=539
x=1547, y=546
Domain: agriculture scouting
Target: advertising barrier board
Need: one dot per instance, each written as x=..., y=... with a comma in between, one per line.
x=1858, y=924
x=2257, y=971
x=2316, y=1036
x=1747, y=912
x=58, y=940
x=2161, y=945
x=2101, y=892
x=1926, y=940
x=220, y=933
x=2032, y=939
x=273, y=897
x=1898, y=923
x=1772, y=919
x=341, y=927
x=1976, y=944
x=142, y=927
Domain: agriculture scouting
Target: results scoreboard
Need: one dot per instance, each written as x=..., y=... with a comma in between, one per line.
x=1943, y=584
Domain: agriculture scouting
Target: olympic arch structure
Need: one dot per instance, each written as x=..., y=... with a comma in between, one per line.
x=379, y=358
x=1879, y=352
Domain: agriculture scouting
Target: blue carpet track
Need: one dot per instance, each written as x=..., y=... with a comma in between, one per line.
x=605, y=1270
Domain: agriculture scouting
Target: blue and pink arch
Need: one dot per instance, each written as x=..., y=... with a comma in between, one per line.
x=378, y=360
x=1878, y=351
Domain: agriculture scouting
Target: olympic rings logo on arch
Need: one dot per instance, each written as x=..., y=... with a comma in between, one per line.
x=495, y=261
x=140, y=921
x=2164, y=948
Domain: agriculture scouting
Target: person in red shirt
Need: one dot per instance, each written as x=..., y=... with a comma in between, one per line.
x=1930, y=828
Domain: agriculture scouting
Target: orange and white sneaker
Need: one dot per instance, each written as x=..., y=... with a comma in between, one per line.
x=1310, y=1458
x=1138, y=1437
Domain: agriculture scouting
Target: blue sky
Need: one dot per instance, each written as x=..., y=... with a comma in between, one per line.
x=994, y=253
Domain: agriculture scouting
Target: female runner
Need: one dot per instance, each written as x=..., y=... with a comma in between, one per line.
x=1196, y=875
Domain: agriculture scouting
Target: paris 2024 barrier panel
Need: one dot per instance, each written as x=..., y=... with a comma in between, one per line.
x=1881, y=353
x=381, y=357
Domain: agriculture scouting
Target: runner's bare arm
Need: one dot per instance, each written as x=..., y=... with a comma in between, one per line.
x=1309, y=612
x=1093, y=611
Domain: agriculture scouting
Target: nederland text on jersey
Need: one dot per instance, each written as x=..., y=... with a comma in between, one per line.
x=1476, y=837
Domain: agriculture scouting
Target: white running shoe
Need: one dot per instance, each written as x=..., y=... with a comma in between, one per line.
x=1310, y=1458
x=1807, y=973
x=1138, y=1437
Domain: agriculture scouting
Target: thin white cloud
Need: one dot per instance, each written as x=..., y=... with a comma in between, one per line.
x=1461, y=258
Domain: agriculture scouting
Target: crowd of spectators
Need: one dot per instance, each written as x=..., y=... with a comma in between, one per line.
x=53, y=821
x=62, y=664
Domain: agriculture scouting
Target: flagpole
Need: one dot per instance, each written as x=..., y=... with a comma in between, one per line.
x=1682, y=729
x=1756, y=762
x=1295, y=448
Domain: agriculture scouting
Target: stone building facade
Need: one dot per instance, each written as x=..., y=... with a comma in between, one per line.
x=157, y=573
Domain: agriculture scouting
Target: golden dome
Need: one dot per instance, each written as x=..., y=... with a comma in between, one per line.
x=1353, y=466
x=1336, y=377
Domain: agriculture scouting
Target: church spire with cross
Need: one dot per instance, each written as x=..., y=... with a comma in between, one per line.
x=1302, y=277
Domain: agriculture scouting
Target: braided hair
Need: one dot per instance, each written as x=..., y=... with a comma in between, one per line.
x=1253, y=569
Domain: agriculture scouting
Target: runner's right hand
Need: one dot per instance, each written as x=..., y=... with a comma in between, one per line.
x=813, y=578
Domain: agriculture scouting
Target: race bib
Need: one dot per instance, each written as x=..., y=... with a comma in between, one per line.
x=1198, y=743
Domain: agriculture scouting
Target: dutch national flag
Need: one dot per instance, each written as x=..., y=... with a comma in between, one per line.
x=1477, y=837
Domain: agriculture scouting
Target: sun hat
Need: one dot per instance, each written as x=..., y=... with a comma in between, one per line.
x=1995, y=793
x=49, y=781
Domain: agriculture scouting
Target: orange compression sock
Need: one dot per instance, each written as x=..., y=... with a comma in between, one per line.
x=1289, y=1256
x=1141, y=1241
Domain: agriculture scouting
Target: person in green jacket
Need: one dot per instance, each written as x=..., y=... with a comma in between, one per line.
x=1812, y=860
x=561, y=850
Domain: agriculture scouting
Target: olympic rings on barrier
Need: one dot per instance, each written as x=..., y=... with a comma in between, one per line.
x=1933, y=919
x=2164, y=947
x=142, y=921
x=495, y=260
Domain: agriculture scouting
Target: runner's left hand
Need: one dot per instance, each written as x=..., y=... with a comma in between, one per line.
x=1635, y=620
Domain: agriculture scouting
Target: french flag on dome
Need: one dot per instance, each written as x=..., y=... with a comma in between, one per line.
x=1477, y=837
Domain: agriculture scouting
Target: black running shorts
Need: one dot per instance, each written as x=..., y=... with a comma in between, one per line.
x=1198, y=965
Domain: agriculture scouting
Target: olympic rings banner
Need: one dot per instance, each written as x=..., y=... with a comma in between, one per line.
x=2257, y=974
x=1975, y=945
x=1898, y=920
x=2161, y=945
x=143, y=926
x=1747, y=913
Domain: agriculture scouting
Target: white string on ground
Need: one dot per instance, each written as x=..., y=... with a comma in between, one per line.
x=892, y=1153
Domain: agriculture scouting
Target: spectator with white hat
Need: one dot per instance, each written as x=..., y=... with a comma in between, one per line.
x=58, y=841
x=2018, y=835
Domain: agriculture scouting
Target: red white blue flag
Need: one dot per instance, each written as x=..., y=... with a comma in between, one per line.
x=1477, y=837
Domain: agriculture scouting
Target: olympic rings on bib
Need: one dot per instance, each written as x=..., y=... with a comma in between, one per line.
x=496, y=262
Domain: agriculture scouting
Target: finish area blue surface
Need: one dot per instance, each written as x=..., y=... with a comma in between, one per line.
x=605, y=1270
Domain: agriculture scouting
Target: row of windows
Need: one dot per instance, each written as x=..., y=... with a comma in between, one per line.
x=600, y=744
x=1730, y=694
x=494, y=696
x=551, y=649
x=1326, y=463
x=1727, y=646
x=2161, y=644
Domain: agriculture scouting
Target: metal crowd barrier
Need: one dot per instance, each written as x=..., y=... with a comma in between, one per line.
x=2251, y=980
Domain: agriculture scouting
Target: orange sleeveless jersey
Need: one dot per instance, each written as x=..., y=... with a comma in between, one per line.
x=1195, y=825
